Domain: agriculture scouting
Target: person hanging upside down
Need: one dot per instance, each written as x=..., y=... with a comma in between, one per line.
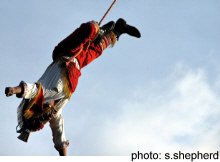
x=44, y=100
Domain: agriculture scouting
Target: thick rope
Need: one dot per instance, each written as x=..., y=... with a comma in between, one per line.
x=107, y=12
x=71, y=59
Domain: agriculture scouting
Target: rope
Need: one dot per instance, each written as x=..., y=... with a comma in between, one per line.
x=107, y=12
x=71, y=59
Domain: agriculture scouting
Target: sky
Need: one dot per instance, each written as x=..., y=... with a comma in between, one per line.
x=157, y=93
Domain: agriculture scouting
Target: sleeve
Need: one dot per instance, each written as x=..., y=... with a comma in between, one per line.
x=58, y=133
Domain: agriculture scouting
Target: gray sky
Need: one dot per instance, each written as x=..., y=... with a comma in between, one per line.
x=158, y=93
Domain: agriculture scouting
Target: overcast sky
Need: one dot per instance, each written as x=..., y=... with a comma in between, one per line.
x=157, y=93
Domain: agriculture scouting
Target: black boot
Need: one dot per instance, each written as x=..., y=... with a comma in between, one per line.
x=122, y=27
x=108, y=27
x=104, y=30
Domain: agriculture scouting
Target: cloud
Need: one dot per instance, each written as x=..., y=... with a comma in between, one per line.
x=179, y=113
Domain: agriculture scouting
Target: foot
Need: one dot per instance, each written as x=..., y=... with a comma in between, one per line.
x=122, y=27
x=9, y=91
x=108, y=27
x=104, y=30
x=63, y=152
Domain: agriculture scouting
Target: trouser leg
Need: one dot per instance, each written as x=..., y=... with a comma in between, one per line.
x=110, y=32
x=58, y=132
x=81, y=37
x=116, y=29
x=63, y=152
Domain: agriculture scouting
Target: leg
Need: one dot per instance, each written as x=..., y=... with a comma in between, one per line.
x=57, y=127
x=121, y=27
x=63, y=152
x=75, y=41
x=107, y=36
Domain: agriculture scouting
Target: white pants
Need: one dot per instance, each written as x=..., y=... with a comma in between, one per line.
x=53, y=89
x=57, y=127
